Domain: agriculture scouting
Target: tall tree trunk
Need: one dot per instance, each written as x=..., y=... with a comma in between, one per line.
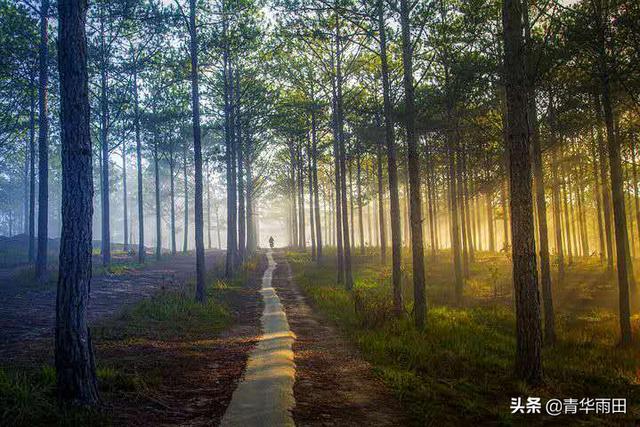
x=43, y=145
x=543, y=232
x=392, y=167
x=336, y=199
x=252, y=243
x=604, y=180
x=208, y=206
x=490, y=222
x=635, y=182
x=460, y=200
x=430, y=202
x=567, y=221
x=301, y=211
x=381, y=221
x=453, y=205
x=32, y=168
x=557, y=221
x=218, y=226
x=538, y=179
x=230, y=264
x=529, y=335
x=197, y=155
x=136, y=118
x=348, y=277
x=352, y=226
x=419, y=296
x=104, y=144
x=125, y=199
x=467, y=212
x=185, y=234
x=314, y=147
x=359, y=199
x=582, y=221
x=597, y=196
x=75, y=364
x=173, y=202
x=617, y=192
x=312, y=218
x=156, y=174
x=242, y=223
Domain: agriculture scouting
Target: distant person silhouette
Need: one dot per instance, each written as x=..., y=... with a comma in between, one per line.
x=271, y=242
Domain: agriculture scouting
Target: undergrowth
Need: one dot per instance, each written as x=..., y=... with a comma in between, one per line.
x=458, y=371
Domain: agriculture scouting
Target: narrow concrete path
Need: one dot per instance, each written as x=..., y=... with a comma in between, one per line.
x=265, y=395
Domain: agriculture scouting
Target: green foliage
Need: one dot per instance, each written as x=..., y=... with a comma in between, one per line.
x=459, y=370
x=27, y=398
x=171, y=314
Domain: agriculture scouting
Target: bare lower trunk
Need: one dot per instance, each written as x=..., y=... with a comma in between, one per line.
x=392, y=168
x=529, y=335
x=419, y=296
x=314, y=147
x=75, y=365
x=141, y=250
x=43, y=145
x=173, y=205
x=156, y=169
x=125, y=215
x=185, y=234
x=197, y=155
x=32, y=172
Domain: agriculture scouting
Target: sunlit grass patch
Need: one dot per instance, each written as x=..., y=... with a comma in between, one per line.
x=459, y=370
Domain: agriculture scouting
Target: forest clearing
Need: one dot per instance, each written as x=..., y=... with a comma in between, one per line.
x=319, y=212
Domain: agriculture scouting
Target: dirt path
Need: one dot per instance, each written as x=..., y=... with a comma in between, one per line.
x=334, y=385
x=27, y=314
x=265, y=395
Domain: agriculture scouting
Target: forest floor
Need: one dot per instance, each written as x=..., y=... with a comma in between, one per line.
x=27, y=311
x=162, y=358
x=459, y=370
x=334, y=385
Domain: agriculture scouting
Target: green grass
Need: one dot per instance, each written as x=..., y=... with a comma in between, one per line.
x=27, y=398
x=459, y=370
x=170, y=315
x=27, y=393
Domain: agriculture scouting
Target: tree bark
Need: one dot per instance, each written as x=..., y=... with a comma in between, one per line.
x=543, y=233
x=197, y=155
x=312, y=218
x=557, y=221
x=104, y=145
x=173, y=201
x=156, y=174
x=529, y=335
x=314, y=148
x=359, y=199
x=598, y=199
x=242, y=223
x=43, y=145
x=185, y=234
x=32, y=169
x=136, y=117
x=125, y=199
x=604, y=180
x=75, y=365
x=392, y=168
x=381, y=221
x=419, y=296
